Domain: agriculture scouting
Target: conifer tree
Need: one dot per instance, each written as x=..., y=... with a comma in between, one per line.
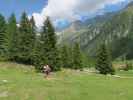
x=25, y=40
x=49, y=52
x=66, y=57
x=38, y=57
x=77, y=57
x=2, y=35
x=12, y=38
x=33, y=39
x=104, y=63
x=33, y=31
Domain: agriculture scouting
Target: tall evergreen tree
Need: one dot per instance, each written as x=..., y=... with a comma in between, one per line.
x=25, y=40
x=33, y=31
x=77, y=57
x=104, y=63
x=66, y=56
x=38, y=56
x=49, y=48
x=2, y=35
x=12, y=38
x=33, y=39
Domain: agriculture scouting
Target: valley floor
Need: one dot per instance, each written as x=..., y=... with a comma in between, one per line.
x=19, y=82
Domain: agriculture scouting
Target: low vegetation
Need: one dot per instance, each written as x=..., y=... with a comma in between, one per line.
x=20, y=82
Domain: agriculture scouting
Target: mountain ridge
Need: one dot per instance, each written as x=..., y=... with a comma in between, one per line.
x=111, y=28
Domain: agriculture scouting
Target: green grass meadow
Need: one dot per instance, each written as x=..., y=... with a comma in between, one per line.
x=19, y=82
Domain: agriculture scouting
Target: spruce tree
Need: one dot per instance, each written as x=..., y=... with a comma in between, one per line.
x=66, y=56
x=104, y=63
x=77, y=57
x=33, y=39
x=12, y=38
x=39, y=58
x=2, y=36
x=25, y=40
x=33, y=31
x=49, y=52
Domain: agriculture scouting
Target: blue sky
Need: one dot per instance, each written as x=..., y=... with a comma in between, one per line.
x=18, y=6
x=61, y=12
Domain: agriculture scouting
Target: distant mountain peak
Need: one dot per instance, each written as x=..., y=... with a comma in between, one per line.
x=130, y=4
x=114, y=28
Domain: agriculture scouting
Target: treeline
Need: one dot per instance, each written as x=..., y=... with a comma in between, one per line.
x=20, y=42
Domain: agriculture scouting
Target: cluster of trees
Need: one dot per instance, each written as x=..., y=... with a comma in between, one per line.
x=23, y=44
x=72, y=57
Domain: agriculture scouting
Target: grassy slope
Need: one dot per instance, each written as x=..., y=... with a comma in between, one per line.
x=24, y=84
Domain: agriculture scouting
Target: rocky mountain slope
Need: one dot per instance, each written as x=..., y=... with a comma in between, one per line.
x=116, y=29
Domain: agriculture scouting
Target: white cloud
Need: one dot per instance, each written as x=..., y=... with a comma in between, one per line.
x=70, y=9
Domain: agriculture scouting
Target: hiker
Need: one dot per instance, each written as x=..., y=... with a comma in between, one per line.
x=46, y=70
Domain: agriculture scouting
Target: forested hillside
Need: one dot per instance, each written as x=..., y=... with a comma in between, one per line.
x=21, y=42
x=116, y=29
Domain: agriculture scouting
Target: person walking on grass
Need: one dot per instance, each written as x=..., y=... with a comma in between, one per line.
x=46, y=70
